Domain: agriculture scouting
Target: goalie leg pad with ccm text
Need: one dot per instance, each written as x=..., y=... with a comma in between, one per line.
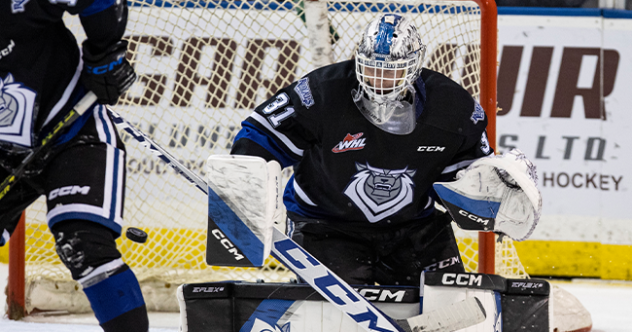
x=281, y=307
x=511, y=305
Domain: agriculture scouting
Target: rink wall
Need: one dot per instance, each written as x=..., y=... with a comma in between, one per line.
x=565, y=99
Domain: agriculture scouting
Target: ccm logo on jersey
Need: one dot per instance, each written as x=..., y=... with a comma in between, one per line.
x=208, y=289
x=474, y=217
x=381, y=295
x=443, y=264
x=227, y=244
x=69, y=190
x=462, y=279
x=430, y=148
x=7, y=50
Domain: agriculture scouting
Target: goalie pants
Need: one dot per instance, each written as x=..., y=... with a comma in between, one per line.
x=364, y=255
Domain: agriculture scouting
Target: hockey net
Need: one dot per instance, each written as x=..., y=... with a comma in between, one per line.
x=203, y=66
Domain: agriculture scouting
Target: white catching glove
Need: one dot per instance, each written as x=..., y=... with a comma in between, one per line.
x=496, y=193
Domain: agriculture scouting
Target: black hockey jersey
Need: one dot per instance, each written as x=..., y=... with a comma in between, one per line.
x=40, y=62
x=347, y=169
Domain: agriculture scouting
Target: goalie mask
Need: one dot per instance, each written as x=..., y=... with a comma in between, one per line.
x=388, y=62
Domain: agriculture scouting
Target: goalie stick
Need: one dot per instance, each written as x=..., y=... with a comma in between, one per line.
x=77, y=111
x=451, y=318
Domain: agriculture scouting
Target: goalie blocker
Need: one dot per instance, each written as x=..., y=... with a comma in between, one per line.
x=245, y=203
x=510, y=305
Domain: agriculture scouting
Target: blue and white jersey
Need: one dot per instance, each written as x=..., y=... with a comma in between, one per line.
x=40, y=61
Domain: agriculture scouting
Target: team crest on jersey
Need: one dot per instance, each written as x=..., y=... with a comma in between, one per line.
x=261, y=326
x=303, y=91
x=478, y=114
x=380, y=192
x=350, y=143
x=16, y=104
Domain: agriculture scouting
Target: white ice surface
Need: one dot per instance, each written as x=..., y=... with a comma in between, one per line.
x=609, y=303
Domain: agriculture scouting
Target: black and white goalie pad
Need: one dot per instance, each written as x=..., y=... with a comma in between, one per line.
x=495, y=193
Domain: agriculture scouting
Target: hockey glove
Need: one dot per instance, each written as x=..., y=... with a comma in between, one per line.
x=107, y=74
x=496, y=193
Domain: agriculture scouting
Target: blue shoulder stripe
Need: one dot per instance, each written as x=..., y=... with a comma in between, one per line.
x=254, y=134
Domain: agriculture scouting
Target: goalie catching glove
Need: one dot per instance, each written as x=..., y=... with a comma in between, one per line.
x=107, y=74
x=496, y=193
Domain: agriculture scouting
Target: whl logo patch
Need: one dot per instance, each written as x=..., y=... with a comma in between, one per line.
x=380, y=192
x=350, y=143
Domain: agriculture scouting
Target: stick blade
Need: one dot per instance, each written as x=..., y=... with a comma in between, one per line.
x=450, y=318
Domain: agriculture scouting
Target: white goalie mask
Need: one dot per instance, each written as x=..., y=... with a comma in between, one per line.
x=388, y=62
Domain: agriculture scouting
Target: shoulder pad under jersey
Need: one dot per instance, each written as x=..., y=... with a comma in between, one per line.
x=449, y=106
x=324, y=87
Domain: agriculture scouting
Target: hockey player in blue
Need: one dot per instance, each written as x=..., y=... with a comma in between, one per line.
x=43, y=73
x=367, y=138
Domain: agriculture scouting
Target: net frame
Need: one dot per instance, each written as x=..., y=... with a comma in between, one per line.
x=486, y=93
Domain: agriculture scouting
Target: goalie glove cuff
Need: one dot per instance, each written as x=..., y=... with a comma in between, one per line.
x=107, y=74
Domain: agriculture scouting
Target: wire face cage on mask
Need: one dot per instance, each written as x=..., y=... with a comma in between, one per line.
x=385, y=80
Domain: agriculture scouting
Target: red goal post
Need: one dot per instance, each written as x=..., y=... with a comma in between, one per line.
x=489, y=48
x=175, y=73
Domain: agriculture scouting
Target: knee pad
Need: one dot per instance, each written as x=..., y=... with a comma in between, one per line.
x=84, y=245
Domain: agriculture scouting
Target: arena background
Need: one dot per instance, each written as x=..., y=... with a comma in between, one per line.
x=564, y=99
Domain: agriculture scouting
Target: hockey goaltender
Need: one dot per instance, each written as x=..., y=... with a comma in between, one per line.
x=376, y=143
